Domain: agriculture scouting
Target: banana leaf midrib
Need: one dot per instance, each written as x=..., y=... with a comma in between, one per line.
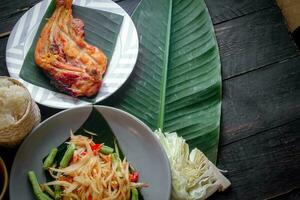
x=165, y=72
x=164, y=79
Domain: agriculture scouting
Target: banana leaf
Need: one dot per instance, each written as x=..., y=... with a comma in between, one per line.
x=176, y=84
x=101, y=29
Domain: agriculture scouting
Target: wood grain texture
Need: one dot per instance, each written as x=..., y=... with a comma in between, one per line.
x=9, y=23
x=224, y=10
x=264, y=165
x=3, y=42
x=12, y=11
x=3, y=68
x=260, y=121
x=253, y=41
x=260, y=100
x=290, y=195
x=12, y=7
x=47, y=112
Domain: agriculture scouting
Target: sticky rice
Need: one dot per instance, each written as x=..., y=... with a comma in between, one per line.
x=13, y=102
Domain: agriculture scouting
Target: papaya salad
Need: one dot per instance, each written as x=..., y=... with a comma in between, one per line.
x=87, y=171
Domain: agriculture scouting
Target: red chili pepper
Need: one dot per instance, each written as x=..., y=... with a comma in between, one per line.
x=134, y=177
x=90, y=197
x=95, y=148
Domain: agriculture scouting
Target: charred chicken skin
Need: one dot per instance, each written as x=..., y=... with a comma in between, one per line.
x=74, y=66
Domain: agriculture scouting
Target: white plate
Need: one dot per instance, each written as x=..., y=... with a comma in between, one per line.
x=119, y=69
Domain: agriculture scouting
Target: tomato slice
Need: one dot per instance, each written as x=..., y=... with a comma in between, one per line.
x=96, y=148
x=134, y=177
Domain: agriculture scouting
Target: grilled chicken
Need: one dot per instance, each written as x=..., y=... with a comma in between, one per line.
x=74, y=66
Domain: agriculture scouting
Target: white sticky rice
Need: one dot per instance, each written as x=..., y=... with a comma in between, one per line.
x=13, y=102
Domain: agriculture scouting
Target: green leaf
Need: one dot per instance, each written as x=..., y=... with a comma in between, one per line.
x=176, y=85
x=101, y=29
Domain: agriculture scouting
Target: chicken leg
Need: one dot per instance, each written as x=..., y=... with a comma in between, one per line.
x=74, y=66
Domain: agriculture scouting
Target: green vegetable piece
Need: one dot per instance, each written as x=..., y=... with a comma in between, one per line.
x=47, y=189
x=134, y=194
x=185, y=168
x=36, y=187
x=116, y=147
x=67, y=156
x=57, y=192
x=114, y=158
x=106, y=149
x=50, y=158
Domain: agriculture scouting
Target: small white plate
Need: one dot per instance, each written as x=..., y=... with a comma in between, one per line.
x=120, y=67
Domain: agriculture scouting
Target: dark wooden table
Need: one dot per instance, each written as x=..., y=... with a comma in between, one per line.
x=260, y=133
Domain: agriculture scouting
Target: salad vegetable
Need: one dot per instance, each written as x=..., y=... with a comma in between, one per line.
x=48, y=190
x=87, y=171
x=194, y=177
x=36, y=187
x=50, y=158
x=134, y=194
x=68, y=155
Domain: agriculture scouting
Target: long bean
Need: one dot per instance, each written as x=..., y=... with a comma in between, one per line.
x=106, y=149
x=36, y=187
x=57, y=192
x=67, y=156
x=134, y=194
x=47, y=189
x=114, y=158
x=50, y=158
x=64, y=163
x=116, y=147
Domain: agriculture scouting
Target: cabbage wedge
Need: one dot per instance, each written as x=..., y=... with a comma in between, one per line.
x=194, y=177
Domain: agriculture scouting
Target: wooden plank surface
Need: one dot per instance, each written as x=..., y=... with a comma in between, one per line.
x=12, y=7
x=260, y=100
x=8, y=24
x=12, y=11
x=260, y=137
x=294, y=194
x=264, y=165
x=3, y=42
x=253, y=41
x=224, y=10
x=3, y=69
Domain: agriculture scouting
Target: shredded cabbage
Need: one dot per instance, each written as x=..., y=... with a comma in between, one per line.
x=194, y=177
